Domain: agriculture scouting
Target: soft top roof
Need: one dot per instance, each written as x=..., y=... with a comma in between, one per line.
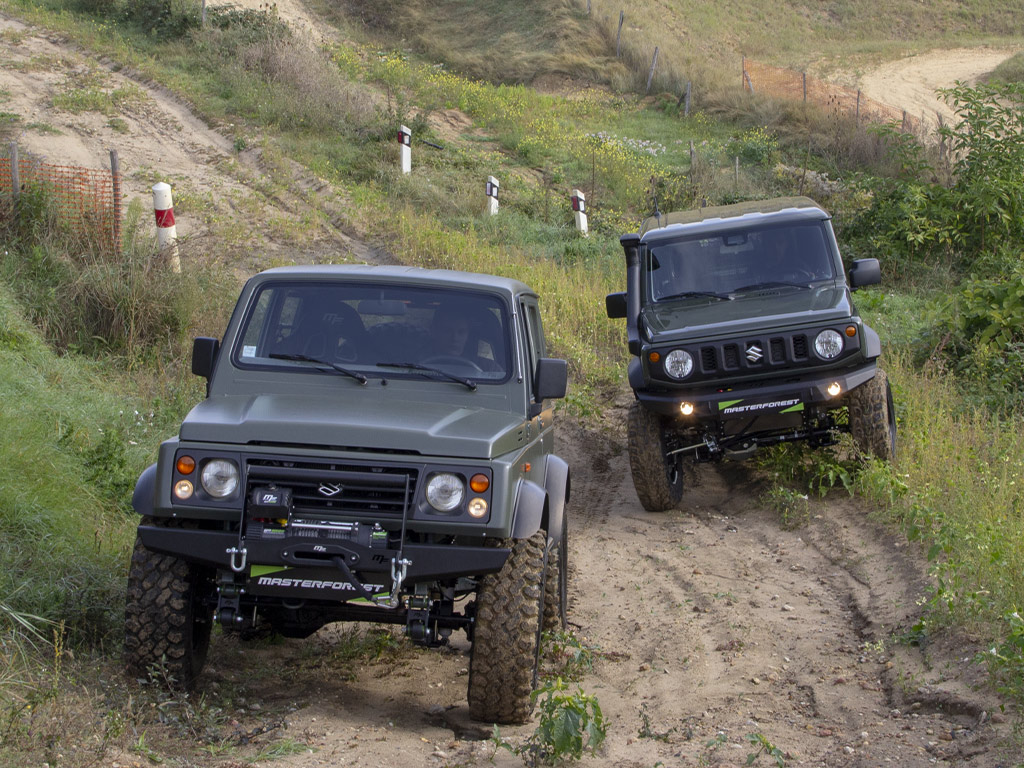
x=447, y=278
x=735, y=214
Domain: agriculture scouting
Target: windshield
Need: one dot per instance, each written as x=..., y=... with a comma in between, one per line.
x=717, y=267
x=389, y=331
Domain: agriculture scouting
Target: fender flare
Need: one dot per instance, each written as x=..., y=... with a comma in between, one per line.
x=557, y=485
x=144, y=496
x=872, y=344
x=531, y=508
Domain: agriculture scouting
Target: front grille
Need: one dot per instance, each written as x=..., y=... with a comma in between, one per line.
x=778, y=350
x=338, y=488
x=800, y=347
x=708, y=359
x=731, y=355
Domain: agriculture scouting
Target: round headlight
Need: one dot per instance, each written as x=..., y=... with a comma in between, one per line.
x=678, y=364
x=220, y=478
x=445, y=491
x=828, y=344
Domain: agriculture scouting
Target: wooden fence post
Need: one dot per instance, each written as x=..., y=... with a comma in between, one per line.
x=15, y=173
x=857, y=118
x=805, y=87
x=693, y=154
x=650, y=75
x=736, y=177
x=115, y=178
x=618, y=35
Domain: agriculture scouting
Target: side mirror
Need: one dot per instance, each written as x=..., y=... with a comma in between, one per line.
x=864, y=272
x=204, y=356
x=615, y=305
x=551, y=380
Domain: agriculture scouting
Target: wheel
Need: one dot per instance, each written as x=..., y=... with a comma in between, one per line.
x=455, y=360
x=556, y=582
x=873, y=419
x=167, y=619
x=506, y=636
x=658, y=478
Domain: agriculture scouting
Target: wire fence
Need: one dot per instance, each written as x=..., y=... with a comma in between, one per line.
x=88, y=201
x=799, y=86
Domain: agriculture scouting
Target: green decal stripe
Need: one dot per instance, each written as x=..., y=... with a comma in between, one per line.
x=727, y=404
x=263, y=570
x=795, y=409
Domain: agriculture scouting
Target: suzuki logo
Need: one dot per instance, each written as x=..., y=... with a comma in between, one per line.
x=329, y=489
x=754, y=353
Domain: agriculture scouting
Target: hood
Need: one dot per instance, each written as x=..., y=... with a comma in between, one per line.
x=776, y=309
x=435, y=429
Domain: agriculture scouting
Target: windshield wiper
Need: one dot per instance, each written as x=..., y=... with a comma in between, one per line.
x=689, y=294
x=769, y=284
x=417, y=367
x=307, y=359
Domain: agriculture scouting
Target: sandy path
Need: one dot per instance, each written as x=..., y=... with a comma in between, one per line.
x=712, y=622
x=911, y=83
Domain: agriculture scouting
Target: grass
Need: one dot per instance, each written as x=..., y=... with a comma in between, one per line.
x=334, y=110
x=1010, y=71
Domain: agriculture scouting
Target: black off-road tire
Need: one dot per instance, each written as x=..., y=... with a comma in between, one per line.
x=872, y=419
x=556, y=583
x=658, y=478
x=167, y=620
x=506, y=636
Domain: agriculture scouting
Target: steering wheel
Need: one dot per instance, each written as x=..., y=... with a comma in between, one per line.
x=455, y=360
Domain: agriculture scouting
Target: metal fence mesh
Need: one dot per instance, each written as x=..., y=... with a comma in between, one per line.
x=790, y=84
x=87, y=200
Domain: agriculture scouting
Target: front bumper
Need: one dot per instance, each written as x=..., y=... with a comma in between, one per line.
x=223, y=550
x=787, y=396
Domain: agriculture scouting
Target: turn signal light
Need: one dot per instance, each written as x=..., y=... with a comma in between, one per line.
x=654, y=357
x=479, y=483
x=851, y=331
x=186, y=465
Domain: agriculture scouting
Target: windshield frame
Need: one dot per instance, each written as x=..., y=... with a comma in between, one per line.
x=418, y=296
x=739, y=262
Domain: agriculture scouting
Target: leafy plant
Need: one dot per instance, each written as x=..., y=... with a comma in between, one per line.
x=571, y=723
x=764, y=747
x=572, y=656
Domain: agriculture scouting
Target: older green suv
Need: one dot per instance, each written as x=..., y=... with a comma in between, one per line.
x=743, y=333
x=376, y=445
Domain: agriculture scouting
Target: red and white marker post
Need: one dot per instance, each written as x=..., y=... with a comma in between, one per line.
x=579, y=207
x=405, y=140
x=492, y=195
x=166, y=232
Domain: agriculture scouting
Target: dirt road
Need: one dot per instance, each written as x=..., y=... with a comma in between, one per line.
x=710, y=624
x=911, y=83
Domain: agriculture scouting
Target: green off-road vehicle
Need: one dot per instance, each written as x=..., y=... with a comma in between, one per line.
x=376, y=445
x=743, y=333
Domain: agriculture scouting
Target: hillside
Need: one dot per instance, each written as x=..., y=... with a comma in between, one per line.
x=816, y=627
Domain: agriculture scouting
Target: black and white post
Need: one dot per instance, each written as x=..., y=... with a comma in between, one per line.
x=579, y=207
x=492, y=195
x=405, y=141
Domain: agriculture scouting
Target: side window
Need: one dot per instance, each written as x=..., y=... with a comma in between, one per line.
x=534, y=334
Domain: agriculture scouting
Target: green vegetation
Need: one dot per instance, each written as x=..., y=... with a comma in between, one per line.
x=947, y=227
x=1010, y=71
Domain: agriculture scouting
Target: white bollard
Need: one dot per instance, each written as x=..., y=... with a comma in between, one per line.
x=405, y=139
x=579, y=206
x=166, y=232
x=492, y=195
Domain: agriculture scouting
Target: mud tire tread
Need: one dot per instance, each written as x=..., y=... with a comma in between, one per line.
x=871, y=422
x=161, y=626
x=648, y=463
x=503, y=664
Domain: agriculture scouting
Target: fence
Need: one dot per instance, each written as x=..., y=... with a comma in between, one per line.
x=790, y=84
x=88, y=201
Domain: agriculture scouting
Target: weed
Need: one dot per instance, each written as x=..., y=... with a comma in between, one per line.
x=793, y=508
x=764, y=747
x=646, y=732
x=570, y=724
x=569, y=653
